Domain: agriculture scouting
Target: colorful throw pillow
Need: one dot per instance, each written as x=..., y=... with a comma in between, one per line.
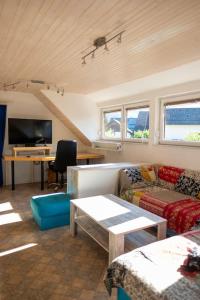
x=132, y=196
x=169, y=174
x=148, y=173
x=130, y=178
x=187, y=185
x=133, y=174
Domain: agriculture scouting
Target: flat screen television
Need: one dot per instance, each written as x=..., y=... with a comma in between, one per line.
x=29, y=132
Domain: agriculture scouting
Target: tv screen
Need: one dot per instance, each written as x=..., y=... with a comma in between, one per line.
x=29, y=131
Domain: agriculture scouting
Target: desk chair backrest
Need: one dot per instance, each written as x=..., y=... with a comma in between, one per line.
x=65, y=155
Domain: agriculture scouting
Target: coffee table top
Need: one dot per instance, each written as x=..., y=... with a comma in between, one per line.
x=116, y=215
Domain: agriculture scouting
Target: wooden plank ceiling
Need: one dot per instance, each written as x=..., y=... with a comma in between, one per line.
x=46, y=39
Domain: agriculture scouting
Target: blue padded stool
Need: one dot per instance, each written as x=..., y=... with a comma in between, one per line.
x=52, y=210
x=122, y=295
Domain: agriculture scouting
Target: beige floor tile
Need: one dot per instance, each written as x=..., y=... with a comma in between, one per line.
x=58, y=267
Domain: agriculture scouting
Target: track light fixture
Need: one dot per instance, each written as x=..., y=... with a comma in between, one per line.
x=98, y=43
x=83, y=61
x=93, y=55
x=119, y=40
x=106, y=47
x=29, y=83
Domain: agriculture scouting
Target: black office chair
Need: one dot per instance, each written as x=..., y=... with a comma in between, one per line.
x=65, y=156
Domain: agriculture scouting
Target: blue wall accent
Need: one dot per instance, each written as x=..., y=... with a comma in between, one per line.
x=3, y=109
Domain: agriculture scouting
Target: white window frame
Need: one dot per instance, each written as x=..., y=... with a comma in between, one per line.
x=135, y=106
x=180, y=98
x=107, y=110
x=123, y=108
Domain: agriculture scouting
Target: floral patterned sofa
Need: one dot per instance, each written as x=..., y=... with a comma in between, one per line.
x=170, y=192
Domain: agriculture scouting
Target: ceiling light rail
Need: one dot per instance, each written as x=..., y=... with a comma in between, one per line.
x=100, y=42
x=32, y=82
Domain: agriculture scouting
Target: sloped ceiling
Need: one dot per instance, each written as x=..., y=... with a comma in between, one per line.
x=46, y=39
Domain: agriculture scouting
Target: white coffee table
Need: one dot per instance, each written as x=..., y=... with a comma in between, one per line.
x=108, y=219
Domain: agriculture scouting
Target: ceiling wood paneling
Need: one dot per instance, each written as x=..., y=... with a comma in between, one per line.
x=46, y=39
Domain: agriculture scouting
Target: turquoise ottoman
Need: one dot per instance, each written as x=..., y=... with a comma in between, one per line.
x=52, y=210
x=121, y=295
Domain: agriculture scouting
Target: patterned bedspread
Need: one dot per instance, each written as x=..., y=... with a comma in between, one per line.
x=182, y=215
x=154, y=271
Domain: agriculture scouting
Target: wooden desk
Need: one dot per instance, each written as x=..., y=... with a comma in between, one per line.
x=42, y=159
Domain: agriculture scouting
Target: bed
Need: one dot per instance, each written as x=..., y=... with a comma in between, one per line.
x=156, y=271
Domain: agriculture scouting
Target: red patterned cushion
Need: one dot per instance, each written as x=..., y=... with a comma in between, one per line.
x=155, y=209
x=152, y=203
x=169, y=174
x=156, y=201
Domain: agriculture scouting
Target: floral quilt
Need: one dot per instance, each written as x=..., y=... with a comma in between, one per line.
x=155, y=272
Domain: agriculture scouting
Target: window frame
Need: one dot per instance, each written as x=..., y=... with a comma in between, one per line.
x=107, y=110
x=137, y=105
x=123, y=108
x=184, y=98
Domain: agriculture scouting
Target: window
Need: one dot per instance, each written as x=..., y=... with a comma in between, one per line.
x=137, y=123
x=128, y=122
x=112, y=123
x=181, y=122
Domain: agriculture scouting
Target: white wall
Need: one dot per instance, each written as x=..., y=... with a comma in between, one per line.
x=81, y=111
x=24, y=105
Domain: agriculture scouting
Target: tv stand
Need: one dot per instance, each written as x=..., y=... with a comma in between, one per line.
x=45, y=149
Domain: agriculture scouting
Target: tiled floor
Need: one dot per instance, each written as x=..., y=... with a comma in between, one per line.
x=54, y=265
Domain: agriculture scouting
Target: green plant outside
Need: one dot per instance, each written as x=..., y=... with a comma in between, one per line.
x=110, y=133
x=193, y=137
x=140, y=134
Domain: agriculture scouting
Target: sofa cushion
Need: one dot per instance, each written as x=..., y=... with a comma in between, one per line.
x=130, y=178
x=188, y=185
x=148, y=173
x=137, y=177
x=168, y=176
x=134, y=195
x=133, y=174
x=156, y=200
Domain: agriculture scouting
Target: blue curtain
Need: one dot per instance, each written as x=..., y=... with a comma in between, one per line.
x=2, y=136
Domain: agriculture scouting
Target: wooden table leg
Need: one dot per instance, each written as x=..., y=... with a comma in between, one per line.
x=42, y=175
x=73, y=215
x=116, y=246
x=13, y=174
x=162, y=229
